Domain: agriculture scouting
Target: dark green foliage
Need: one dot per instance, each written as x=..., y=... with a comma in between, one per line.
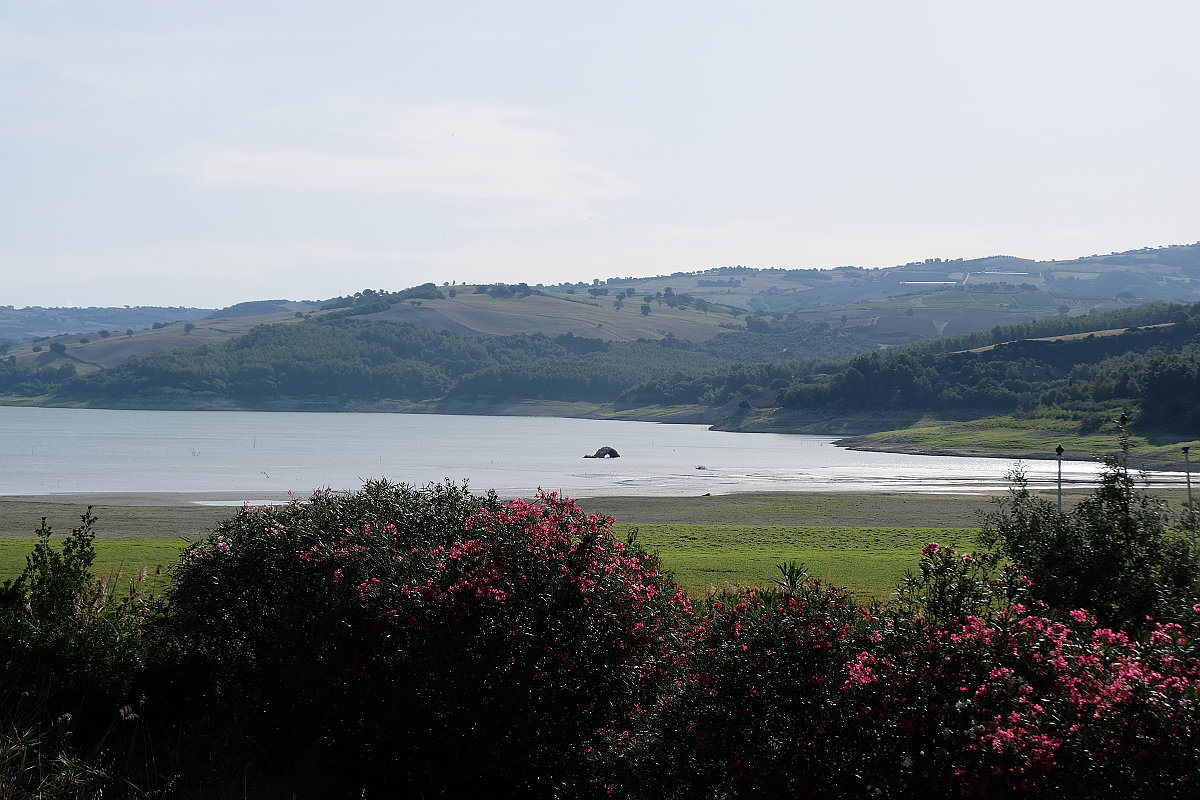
x=52, y=579
x=1151, y=367
x=370, y=301
x=1113, y=553
x=426, y=640
x=1148, y=314
x=961, y=687
x=70, y=651
x=340, y=359
x=32, y=381
x=55, y=612
x=250, y=308
x=435, y=643
x=752, y=718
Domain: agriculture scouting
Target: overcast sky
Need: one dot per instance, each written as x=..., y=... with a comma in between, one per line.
x=205, y=152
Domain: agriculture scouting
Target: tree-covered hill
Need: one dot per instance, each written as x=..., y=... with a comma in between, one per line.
x=1148, y=365
x=1009, y=289
x=938, y=335
x=891, y=305
x=17, y=324
x=337, y=359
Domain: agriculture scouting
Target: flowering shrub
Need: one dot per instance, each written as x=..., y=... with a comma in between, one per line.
x=431, y=639
x=1013, y=702
x=755, y=714
x=961, y=687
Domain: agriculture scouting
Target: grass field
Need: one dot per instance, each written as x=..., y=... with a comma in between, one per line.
x=864, y=543
x=868, y=562
x=119, y=560
x=1024, y=437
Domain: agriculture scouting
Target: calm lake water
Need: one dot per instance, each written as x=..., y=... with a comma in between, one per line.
x=50, y=450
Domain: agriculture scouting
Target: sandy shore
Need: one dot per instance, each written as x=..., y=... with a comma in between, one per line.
x=228, y=499
x=191, y=516
x=124, y=516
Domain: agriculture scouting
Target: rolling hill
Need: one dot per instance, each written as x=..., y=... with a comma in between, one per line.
x=751, y=347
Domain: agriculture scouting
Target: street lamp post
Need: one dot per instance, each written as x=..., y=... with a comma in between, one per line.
x=1187, y=471
x=1058, y=451
x=1123, y=421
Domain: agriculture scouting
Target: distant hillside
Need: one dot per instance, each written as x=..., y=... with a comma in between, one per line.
x=258, y=308
x=714, y=339
x=1144, y=361
x=19, y=324
x=908, y=302
x=419, y=345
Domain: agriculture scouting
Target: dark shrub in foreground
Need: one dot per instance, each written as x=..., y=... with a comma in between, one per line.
x=1113, y=553
x=433, y=643
x=70, y=650
x=429, y=639
x=956, y=689
x=754, y=715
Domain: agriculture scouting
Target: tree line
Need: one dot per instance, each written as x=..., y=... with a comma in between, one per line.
x=1154, y=369
x=346, y=357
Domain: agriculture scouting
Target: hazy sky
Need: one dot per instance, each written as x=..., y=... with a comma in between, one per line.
x=204, y=152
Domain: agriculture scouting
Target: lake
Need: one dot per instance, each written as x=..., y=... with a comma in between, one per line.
x=54, y=450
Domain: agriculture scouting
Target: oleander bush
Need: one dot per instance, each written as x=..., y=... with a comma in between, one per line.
x=429, y=641
x=1014, y=699
x=753, y=715
x=959, y=688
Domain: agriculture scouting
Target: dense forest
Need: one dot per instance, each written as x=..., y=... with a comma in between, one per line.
x=1143, y=359
x=1152, y=366
x=346, y=357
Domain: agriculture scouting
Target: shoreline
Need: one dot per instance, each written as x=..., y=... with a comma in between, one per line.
x=852, y=431
x=229, y=500
x=181, y=515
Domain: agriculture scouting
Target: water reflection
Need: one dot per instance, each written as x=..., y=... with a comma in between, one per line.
x=258, y=454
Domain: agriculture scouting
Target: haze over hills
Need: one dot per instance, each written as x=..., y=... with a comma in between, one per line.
x=844, y=350
x=906, y=302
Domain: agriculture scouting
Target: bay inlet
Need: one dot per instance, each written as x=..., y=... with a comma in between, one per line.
x=48, y=451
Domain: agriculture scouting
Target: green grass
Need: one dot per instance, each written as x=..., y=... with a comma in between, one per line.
x=867, y=561
x=1028, y=437
x=116, y=559
x=862, y=541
